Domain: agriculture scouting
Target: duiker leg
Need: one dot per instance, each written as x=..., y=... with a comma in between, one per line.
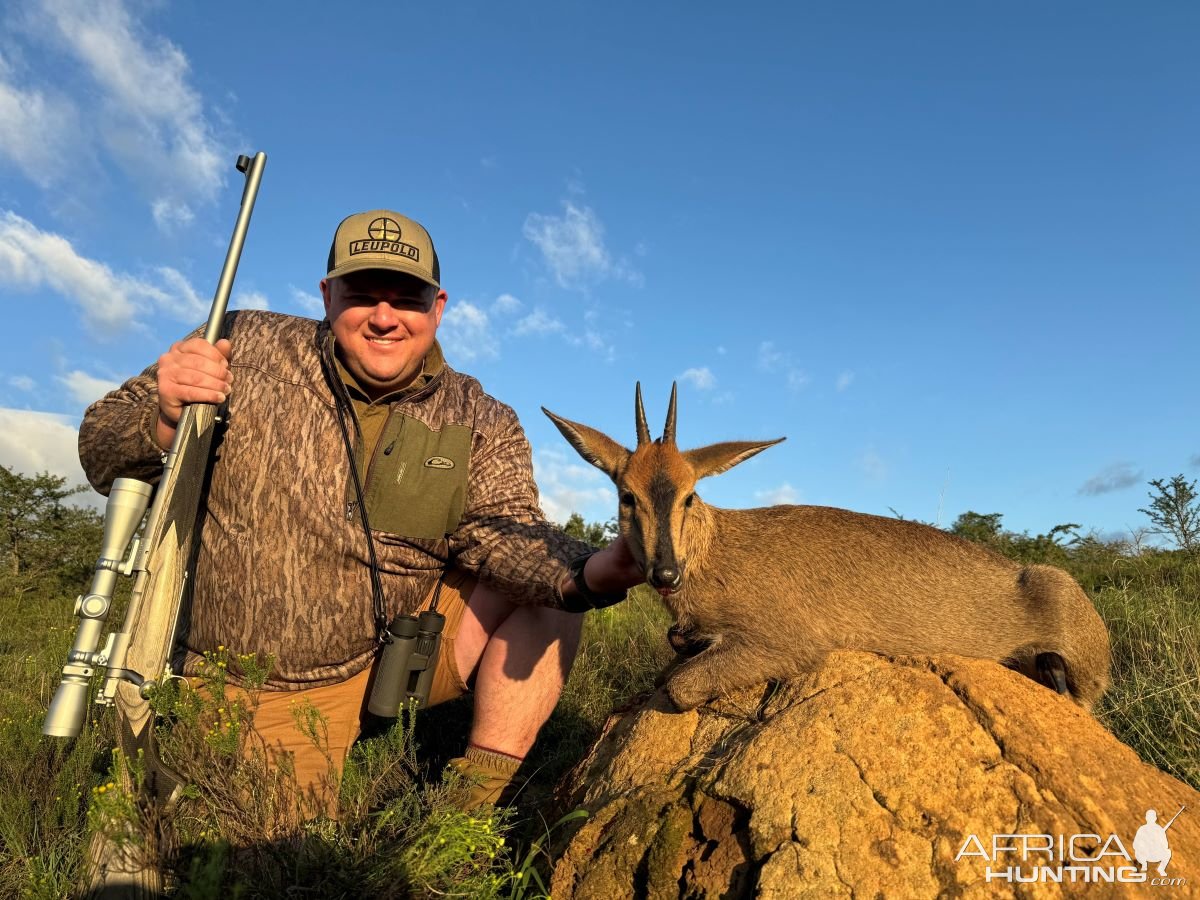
x=727, y=666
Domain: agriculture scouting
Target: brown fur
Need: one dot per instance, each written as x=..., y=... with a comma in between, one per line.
x=772, y=590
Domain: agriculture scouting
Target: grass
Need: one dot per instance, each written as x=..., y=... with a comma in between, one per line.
x=399, y=833
x=1152, y=609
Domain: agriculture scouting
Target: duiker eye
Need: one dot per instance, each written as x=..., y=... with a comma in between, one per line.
x=688, y=501
x=627, y=499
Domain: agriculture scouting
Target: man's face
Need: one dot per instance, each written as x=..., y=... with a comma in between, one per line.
x=384, y=323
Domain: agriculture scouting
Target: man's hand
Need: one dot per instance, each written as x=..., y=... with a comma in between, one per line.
x=192, y=371
x=607, y=571
x=613, y=569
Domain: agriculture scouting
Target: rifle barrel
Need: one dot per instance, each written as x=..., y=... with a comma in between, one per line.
x=216, y=317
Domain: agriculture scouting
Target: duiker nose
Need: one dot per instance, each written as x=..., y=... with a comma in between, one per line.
x=666, y=577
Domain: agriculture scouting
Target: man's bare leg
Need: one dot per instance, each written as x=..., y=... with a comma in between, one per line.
x=520, y=657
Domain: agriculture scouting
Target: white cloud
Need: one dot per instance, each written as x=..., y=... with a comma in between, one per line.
x=873, y=466
x=797, y=380
x=32, y=259
x=593, y=338
x=250, y=300
x=36, y=129
x=149, y=116
x=775, y=361
x=538, y=322
x=784, y=493
x=85, y=389
x=473, y=331
x=845, y=380
x=311, y=305
x=171, y=214
x=701, y=378
x=572, y=246
x=770, y=359
x=180, y=299
x=466, y=333
x=22, y=382
x=34, y=442
x=506, y=304
x=568, y=485
x=1116, y=477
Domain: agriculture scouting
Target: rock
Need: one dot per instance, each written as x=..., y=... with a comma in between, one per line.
x=870, y=778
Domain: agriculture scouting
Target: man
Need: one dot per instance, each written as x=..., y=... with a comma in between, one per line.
x=354, y=470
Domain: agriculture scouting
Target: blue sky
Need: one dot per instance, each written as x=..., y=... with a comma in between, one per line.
x=947, y=249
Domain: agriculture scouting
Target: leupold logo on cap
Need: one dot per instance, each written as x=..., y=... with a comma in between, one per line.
x=384, y=229
x=385, y=238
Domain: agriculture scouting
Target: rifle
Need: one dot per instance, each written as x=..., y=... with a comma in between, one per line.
x=136, y=658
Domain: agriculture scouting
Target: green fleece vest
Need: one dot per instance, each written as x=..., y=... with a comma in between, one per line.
x=414, y=478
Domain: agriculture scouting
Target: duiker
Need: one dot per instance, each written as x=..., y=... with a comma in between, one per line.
x=767, y=593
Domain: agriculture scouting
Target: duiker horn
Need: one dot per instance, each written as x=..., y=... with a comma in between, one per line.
x=643, y=430
x=669, y=431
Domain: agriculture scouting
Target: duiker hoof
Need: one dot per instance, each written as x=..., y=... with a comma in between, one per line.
x=1052, y=672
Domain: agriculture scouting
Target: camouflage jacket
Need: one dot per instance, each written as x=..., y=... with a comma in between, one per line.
x=283, y=565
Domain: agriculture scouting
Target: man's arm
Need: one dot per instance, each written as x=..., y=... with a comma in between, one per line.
x=506, y=540
x=125, y=433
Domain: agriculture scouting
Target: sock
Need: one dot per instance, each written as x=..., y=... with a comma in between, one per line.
x=505, y=763
x=491, y=774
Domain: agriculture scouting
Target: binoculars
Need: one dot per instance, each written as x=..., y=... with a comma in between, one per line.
x=407, y=663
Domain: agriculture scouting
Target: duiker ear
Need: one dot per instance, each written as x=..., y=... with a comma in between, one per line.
x=717, y=458
x=596, y=447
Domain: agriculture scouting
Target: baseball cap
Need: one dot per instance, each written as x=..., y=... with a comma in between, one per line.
x=382, y=239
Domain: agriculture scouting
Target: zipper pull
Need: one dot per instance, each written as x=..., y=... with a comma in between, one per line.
x=350, y=507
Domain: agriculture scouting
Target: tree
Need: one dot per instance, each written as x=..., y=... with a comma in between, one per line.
x=39, y=535
x=983, y=528
x=1175, y=511
x=598, y=534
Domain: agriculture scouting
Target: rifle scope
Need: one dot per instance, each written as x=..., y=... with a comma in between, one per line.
x=127, y=503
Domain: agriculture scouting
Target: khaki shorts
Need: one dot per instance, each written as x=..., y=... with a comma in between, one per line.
x=343, y=705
